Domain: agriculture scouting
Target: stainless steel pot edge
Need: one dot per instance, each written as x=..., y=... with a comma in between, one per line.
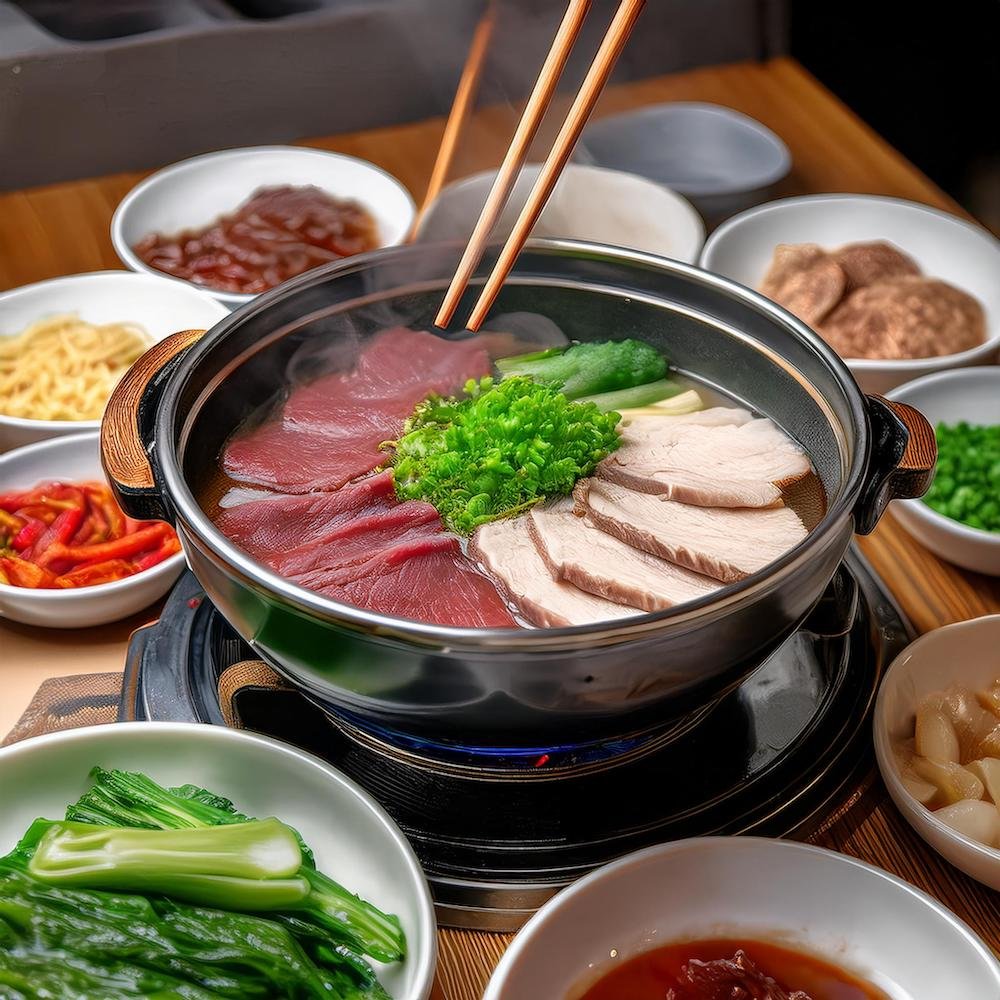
x=692, y=614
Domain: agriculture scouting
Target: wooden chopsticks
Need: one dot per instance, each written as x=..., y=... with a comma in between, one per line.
x=461, y=107
x=579, y=112
x=517, y=153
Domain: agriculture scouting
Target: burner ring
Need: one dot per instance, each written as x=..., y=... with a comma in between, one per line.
x=539, y=765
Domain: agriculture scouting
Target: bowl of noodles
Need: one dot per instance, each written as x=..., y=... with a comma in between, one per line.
x=65, y=343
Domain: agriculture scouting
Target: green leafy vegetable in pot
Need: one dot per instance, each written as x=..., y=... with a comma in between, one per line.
x=498, y=450
x=966, y=487
x=588, y=369
x=636, y=397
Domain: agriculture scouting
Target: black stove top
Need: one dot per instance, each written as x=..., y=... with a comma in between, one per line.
x=770, y=758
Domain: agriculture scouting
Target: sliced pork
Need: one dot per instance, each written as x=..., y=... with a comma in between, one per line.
x=509, y=555
x=746, y=462
x=329, y=431
x=726, y=543
x=577, y=551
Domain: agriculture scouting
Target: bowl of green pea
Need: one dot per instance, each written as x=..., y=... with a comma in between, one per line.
x=959, y=517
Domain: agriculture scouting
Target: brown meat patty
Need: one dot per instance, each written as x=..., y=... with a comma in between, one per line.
x=869, y=263
x=908, y=317
x=805, y=279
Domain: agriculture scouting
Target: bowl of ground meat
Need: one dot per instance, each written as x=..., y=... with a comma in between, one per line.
x=898, y=289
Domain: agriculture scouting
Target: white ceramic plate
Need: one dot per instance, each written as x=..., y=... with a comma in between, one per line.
x=75, y=458
x=194, y=193
x=944, y=246
x=161, y=305
x=856, y=916
x=354, y=840
x=972, y=395
x=588, y=203
x=964, y=654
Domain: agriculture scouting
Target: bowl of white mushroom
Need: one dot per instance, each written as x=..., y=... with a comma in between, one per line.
x=937, y=739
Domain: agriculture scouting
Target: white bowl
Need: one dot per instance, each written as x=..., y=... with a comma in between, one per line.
x=354, y=840
x=963, y=654
x=194, y=193
x=944, y=246
x=76, y=458
x=161, y=305
x=719, y=158
x=588, y=203
x=973, y=395
x=855, y=916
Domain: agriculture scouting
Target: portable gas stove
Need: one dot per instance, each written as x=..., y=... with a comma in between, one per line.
x=498, y=836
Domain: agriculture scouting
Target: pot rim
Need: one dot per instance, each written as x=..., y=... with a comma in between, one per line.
x=688, y=615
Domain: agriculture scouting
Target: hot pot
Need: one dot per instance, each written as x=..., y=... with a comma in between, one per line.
x=502, y=690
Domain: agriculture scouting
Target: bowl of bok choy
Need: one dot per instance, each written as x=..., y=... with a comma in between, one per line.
x=203, y=862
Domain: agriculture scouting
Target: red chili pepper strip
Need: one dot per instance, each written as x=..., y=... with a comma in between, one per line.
x=11, y=501
x=29, y=534
x=103, y=572
x=170, y=546
x=127, y=545
x=99, y=527
x=48, y=548
x=38, y=511
x=22, y=573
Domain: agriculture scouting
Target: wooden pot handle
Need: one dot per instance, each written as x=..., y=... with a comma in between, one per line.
x=127, y=424
x=903, y=456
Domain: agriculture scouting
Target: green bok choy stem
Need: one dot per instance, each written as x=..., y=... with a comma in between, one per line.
x=124, y=798
x=242, y=866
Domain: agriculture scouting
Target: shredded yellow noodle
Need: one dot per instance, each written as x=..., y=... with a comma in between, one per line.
x=62, y=368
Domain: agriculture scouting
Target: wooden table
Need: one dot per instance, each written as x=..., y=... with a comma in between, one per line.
x=64, y=228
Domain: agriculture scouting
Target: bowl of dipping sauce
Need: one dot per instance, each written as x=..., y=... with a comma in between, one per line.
x=807, y=918
x=69, y=557
x=65, y=342
x=937, y=740
x=959, y=518
x=898, y=289
x=241, y=221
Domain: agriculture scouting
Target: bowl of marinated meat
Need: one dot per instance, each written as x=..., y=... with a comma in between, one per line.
x=606, y=507
x=898, y=289
x=238, y=222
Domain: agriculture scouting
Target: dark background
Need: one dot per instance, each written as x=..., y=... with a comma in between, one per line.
x=926, y=76
x=96, y=86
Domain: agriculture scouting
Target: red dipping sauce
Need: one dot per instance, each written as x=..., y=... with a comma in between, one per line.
x=728, y=970
x=277, y=233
